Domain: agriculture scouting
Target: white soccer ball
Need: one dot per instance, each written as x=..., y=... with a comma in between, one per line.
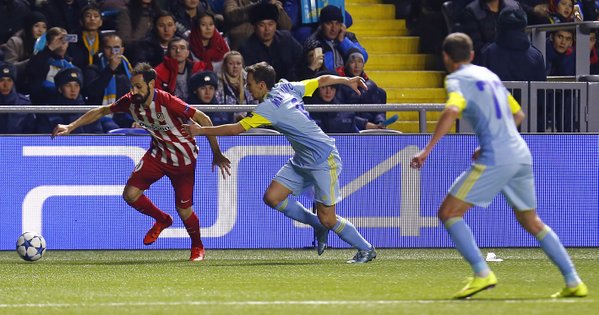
x=31, y=246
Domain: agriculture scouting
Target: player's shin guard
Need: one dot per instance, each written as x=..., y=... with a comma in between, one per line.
x=554, y=249
x=296, y=211
x=192, y=224
x=144, y=205
x=464, y=241
x=348, y=232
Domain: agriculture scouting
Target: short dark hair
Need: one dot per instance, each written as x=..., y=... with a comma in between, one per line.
x=458, y=46
x=263, y=72
x=91, y=6
x=145, y=70
x=177, y=39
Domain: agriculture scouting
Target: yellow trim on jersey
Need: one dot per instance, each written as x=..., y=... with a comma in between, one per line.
x=254, y=121
x=456, y=99
x=514, y=106
x=474, y=175
x=310, y=86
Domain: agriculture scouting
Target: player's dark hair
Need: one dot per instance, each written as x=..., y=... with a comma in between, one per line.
x=145, y=70
x=458, y=47
x=263, y=72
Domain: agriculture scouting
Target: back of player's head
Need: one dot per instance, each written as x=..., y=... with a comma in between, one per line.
x=263, y=72
x=145, y=70
x=458, y=47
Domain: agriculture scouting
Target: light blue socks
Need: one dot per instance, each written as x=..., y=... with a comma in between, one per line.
x=554, y=249
x=464, y=241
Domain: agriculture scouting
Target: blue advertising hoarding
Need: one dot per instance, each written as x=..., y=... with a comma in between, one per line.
x=69, y=189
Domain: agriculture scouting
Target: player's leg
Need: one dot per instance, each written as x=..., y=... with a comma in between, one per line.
x=144, y=175
x=520, y=193
x=286, y=182
x=277, y=196
x=476, y=186
x=347, y=232
x=183, y=181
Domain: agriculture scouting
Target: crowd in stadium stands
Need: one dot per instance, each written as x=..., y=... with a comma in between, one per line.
x=75, y=52
x=199, y=49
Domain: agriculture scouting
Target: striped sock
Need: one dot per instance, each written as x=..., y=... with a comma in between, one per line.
x=464, y=241
x=554, y=249
x=350, y=234
x=296, y=211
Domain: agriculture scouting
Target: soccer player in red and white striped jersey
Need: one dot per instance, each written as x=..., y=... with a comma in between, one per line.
x=172, y=152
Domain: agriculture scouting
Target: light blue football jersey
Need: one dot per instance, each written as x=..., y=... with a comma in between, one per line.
x=486, y=107
x=283, y=108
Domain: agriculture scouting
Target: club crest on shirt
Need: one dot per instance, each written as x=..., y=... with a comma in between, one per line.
x=160, y=117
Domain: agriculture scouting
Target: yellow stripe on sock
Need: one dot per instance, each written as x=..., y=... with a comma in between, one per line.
x=451, y=222
x=341, y=226
x=541, y=235
x=470, y=180
x=283, y=204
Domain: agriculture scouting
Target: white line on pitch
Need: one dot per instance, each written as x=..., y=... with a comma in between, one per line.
x=380, y=302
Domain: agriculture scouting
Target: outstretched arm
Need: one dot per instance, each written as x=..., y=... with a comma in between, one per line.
x=218, y=159
x=87, y=118
x=354, y=82
x=222, y=130
x=448, y=116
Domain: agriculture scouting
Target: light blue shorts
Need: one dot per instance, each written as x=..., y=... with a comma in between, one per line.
x=481, y=183
x=324, y=177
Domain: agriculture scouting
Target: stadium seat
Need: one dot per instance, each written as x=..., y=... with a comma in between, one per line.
x=129, y=131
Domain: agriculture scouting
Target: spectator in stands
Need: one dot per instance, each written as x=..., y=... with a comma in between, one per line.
x=206, y=42
x=153, y=49
x=511, y=56
x=303, y=26
x=237, y=19
x=88, y=40
x=560, y=56
x=173, y=74
x=135, y=22
x=537, y=11
x=232, y=81
x=312, y=60
x=18, y=122
x=109, y=78
x=42, y=67
x=479, y=21
x=19, y=48
x=562, y=11
x=276, y=47
x=334, y=38
x=354, y=66
x=203, y=86
x=12, y=13
x=187, y=11
x=68, y=85
x=64, y=14
x=330, y=122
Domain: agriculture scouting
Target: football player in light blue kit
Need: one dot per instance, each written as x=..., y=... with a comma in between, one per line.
x=316, y=161
x=502, y=164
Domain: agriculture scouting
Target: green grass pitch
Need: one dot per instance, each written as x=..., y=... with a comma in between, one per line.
x=399, y=281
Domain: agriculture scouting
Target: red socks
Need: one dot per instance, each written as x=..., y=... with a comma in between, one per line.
x=192, y=224
x=144, y=205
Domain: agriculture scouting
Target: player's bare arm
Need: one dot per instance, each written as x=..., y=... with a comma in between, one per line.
x=519, y=117
x=87, y=118
x=448, y=116
x=356, y=83
x=222, y=130
x=218, y=159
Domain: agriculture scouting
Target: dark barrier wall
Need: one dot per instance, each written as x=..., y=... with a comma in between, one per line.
x=69, y=189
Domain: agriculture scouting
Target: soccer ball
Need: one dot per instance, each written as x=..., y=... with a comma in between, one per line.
x=31, y=246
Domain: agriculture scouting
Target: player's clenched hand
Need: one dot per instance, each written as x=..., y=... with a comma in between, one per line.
x=60, y=130
x=418, y=160
x=193, y=129
x=476, y=154
x=223, y=163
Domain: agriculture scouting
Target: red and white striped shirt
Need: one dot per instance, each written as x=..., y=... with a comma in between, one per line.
x=163, y=119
